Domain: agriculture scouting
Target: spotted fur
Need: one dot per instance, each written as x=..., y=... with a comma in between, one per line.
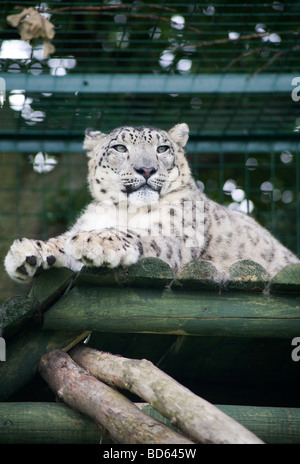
x=146, y=204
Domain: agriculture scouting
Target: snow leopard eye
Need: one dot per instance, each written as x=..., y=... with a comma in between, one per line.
x=162, y=148
x=120, y=148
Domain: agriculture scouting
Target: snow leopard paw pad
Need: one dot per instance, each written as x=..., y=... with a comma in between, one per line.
x=25, y=259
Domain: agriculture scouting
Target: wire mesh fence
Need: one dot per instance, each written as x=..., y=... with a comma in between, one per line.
x=226, y=69
x=162, y=36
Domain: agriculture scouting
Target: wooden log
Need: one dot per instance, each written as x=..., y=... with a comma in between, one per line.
x=243, y=275
x=56, y=423
x=177, y=312
x=274, y=425
x=197, y=274
x=24, y=352
x=41, y=423
x=287, y=280
x=195, y=416
x=148, y=272
x=50, y=285
x=15, y=313
x=124, y=422
x=247, y=275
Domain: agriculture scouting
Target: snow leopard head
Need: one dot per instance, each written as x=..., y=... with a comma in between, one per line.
x=141, y=164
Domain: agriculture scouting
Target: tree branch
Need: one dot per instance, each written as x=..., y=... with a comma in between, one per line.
x=124, y=421
x=193, y=415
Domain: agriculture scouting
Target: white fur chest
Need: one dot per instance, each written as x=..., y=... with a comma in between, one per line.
x=107, y=215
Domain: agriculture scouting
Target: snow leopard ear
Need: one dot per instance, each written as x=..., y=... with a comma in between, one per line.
x=91, y=138
x=180, y=134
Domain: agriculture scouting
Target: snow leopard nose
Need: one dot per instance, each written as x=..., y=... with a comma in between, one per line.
x=146, y=172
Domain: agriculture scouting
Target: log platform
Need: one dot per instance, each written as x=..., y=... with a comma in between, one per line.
x=235, y=344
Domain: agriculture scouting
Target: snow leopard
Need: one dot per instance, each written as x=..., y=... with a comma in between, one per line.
x=145, y=203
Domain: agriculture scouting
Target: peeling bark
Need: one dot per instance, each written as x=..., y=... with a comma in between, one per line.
x=195, y=416
x=124, y=422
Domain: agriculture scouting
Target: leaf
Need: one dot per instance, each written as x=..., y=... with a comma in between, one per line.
x=32, y=25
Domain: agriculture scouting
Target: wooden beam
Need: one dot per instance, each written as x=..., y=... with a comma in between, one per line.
x=56, y=423
x=15, y=314
x=208, y=313
x=23, y=354
x=41, y=423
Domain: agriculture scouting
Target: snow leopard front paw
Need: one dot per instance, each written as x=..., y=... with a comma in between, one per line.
x=107, y=248
x=26, y=258
x=23, y=260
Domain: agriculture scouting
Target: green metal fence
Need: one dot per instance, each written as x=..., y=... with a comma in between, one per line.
x=229, y=70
